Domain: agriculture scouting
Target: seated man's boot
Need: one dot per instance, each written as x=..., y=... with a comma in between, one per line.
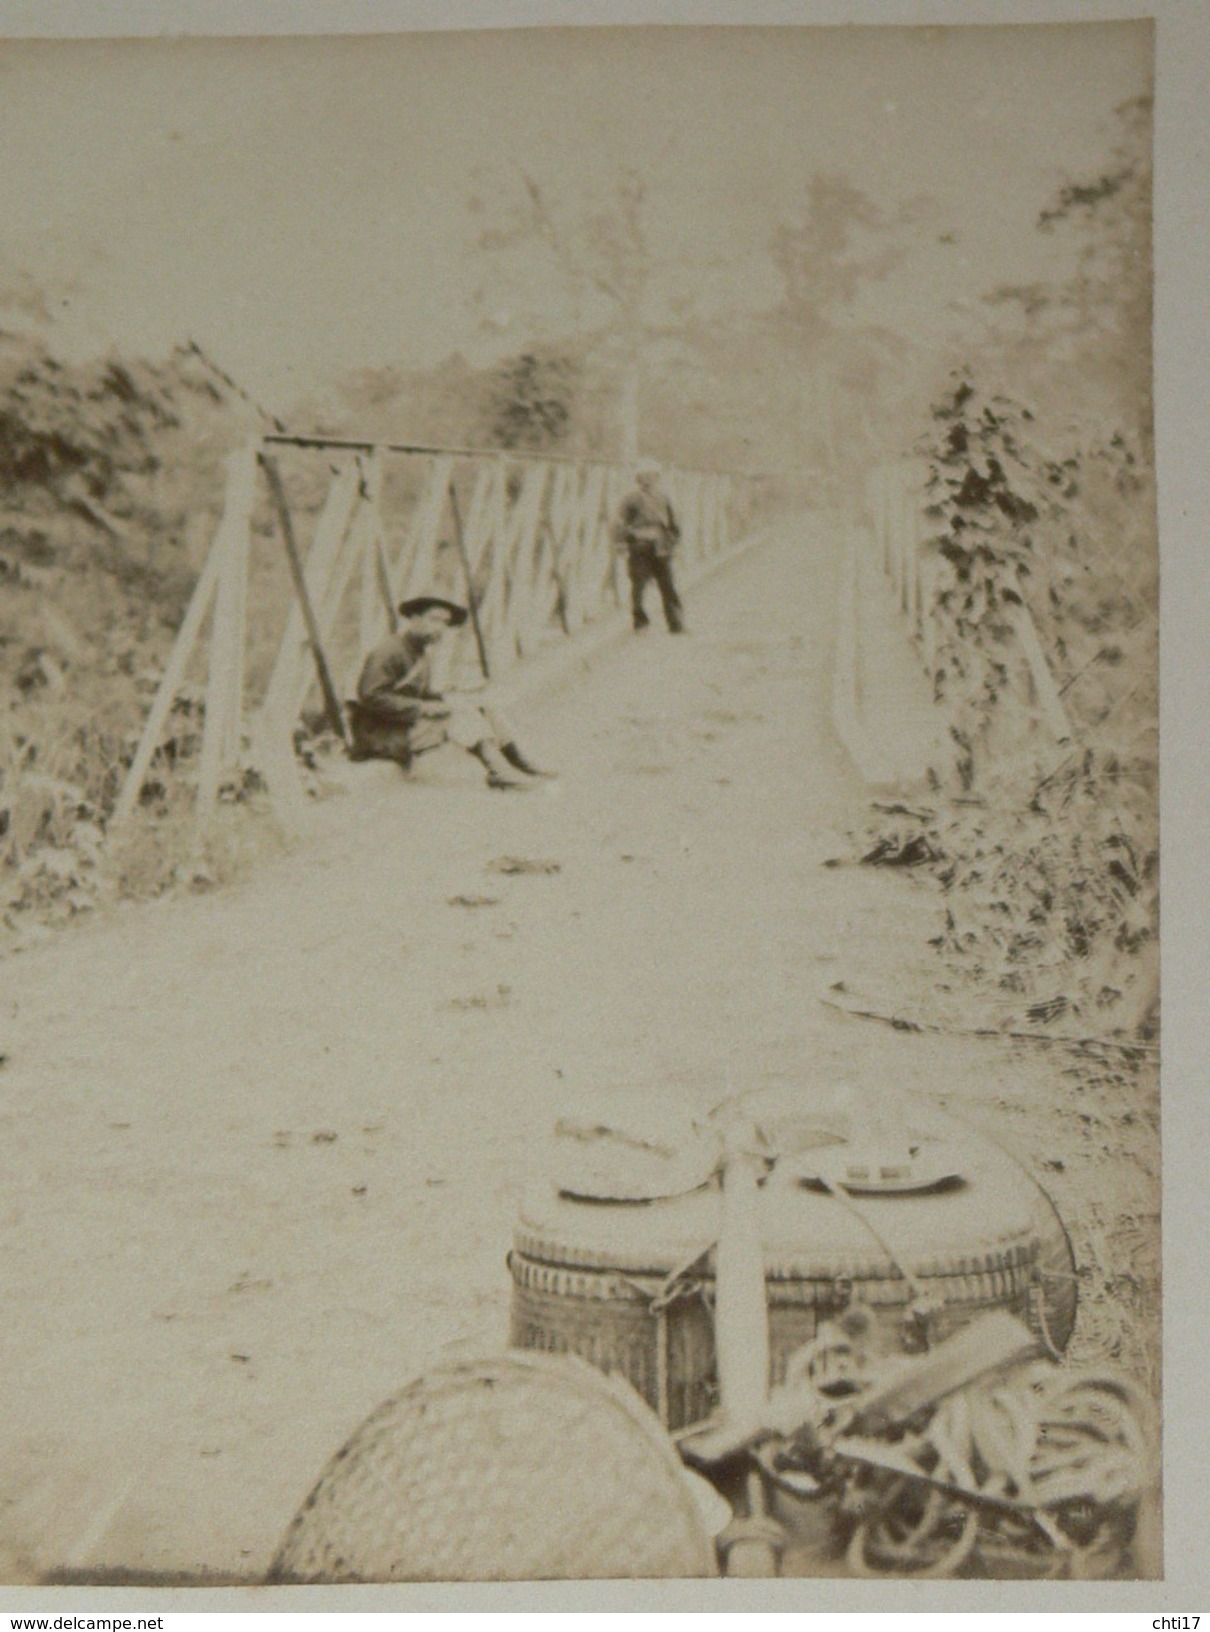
x=500, y=774
x=518, y=761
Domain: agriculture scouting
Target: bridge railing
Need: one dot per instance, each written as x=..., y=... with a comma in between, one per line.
x=524, y=539
x=897, y=534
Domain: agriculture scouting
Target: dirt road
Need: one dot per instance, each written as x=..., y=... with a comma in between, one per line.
x=262, y=1149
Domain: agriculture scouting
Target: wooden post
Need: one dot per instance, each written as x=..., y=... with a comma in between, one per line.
x=331, y=701
x=414, y=570
x=384, y=585
x=170, y=684
x=519, y=558
x=328, y=600
x=615, y=492
x=224, y=687
x=588, y=511
x=544, y=584
x=362, y=557
x=562, y=542
x=289, y=680
x=591, y=563
x=523, y=528
x=237, y=596
x=583, y=527
x=375, y=608
x=234, y=525
x=558, y=524
x=603, y=555
x=472, y=607
x=496, y=543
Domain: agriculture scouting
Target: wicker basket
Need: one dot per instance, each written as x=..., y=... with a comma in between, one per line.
x=517, y=1468
x=629, y=1286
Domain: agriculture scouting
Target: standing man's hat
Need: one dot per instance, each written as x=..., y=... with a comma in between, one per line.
x=647, y=467
x=423, y=603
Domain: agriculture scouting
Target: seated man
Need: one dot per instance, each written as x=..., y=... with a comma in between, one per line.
x=398, y=715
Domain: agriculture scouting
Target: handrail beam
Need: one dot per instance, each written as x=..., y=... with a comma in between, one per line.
x=360, y=445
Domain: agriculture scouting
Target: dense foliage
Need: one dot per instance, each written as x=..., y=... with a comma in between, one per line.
x=112, y=481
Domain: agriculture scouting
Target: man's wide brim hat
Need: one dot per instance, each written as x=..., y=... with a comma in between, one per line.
x=424, y=603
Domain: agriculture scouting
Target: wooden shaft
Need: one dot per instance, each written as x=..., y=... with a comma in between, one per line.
x=741, y=1341
x=331, y=701
x=741, y=1327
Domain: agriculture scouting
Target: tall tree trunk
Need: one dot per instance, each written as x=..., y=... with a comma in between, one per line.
x=628, y=410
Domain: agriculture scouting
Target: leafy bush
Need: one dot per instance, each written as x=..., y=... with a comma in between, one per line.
x=112, y=485
x=1048, y=860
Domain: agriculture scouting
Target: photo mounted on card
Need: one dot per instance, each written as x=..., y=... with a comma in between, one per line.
x=579, y=830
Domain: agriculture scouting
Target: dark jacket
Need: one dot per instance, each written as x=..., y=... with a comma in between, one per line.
x=397, y=676
x=647, y=521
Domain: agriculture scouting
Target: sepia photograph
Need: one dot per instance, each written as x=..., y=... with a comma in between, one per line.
x=579, y=807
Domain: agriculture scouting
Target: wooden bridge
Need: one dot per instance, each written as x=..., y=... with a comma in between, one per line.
x=266, y=1168
x=525, y=539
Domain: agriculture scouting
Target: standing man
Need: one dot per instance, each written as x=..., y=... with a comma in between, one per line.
x=398, y=715
x=647, y=529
